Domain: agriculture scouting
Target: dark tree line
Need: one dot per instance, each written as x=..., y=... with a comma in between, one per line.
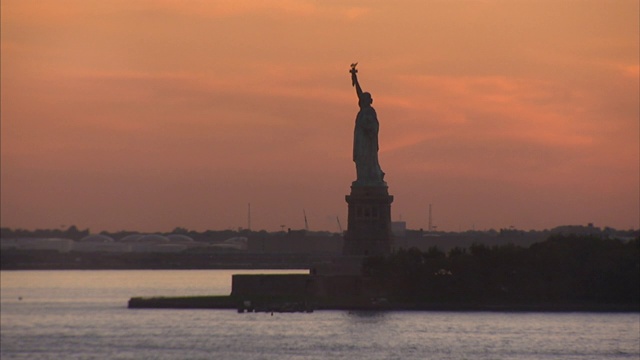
x=564, y=269
x=72, y=232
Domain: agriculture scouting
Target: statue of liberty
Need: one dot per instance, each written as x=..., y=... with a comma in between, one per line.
x=365, y=138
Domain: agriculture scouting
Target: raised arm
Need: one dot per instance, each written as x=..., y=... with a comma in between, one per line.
x=354, y=80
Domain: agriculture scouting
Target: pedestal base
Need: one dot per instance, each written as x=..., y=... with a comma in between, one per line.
x=369, y=228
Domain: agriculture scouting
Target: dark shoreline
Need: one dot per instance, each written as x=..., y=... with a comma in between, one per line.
x=276, y=305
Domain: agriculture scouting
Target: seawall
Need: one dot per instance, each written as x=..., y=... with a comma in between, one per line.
x=301, y=292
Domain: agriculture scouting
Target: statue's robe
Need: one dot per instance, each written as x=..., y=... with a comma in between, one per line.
x=365, y=147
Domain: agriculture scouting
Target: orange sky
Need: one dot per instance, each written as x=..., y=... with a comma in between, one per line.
x=147, y=115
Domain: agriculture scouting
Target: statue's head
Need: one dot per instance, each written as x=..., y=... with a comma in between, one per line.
x=366, y=99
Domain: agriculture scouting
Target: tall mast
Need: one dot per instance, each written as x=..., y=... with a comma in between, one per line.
x=249, y=216
x=306, y=224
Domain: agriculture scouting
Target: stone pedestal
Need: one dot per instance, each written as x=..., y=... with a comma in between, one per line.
x=369, y=221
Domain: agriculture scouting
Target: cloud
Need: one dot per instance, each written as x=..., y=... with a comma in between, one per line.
x=205, y=105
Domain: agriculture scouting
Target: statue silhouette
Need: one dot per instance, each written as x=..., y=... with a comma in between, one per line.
x=365, y=138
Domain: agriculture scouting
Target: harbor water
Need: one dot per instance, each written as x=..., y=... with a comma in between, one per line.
x=84, y=315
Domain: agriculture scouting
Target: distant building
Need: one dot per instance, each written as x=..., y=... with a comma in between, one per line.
x=399, y=229
x=295, y=242
x=99, y=243
x=234, y=243
x=160, y=243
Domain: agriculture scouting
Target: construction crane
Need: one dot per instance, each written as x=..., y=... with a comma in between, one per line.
x=249, y=216
x=306, y=223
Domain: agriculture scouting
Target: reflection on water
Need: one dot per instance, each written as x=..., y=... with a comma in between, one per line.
x=83, y=314
x=370, y=316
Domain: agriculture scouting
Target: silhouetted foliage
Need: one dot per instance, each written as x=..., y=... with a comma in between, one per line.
x=70, y=233
x=563, y=269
